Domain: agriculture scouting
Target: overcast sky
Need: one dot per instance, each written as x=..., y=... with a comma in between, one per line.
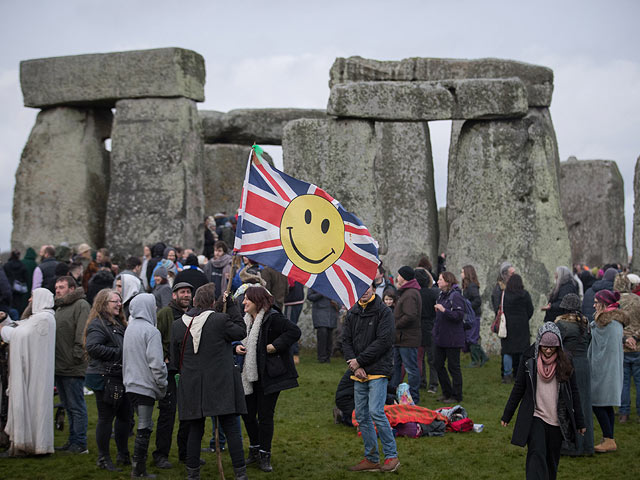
x=278, y=54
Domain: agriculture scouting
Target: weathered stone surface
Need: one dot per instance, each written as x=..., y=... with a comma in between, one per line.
x=443, y=229
x=503, y=204
x=538, y=80
x=246, y=126
x=592, y=199
x=417, y=101
x=62, y=181
x=224, y=168
x=382, y=172
x=103, y=78
x=156, y=175
x=636, y=219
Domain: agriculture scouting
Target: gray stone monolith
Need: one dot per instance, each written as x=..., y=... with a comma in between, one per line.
x=252, y=125
x=422, y=101
x=635, y=264
x=443, y=229
x=103, y=78
x=62, y=181
x=380, y=171
x=538, y=80
x=224, y=168
x=503, y=204
x=592, y=199
x=156, y=176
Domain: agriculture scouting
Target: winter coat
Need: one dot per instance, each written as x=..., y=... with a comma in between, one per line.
x=6, y=294
x=570, y=415
x=575, y=341
x=368, y=335
x=163, y=295
x=276, y=371
x=448, y=330
x=165, y=318
x=29, y=262
x=472, y=293
x=568, y=287
x=590, y=295
x=408, y=315
x=209, y=382
x=16, y=270
x=428, y=313
x=72, y=312
x=630, y=303
x=144, y=370
x=606, y=358
x=518, y=310
x=216, y=270
x=276, y=283
x=102, y=279
x=209, y=242
x=323, y=310
x=295, y=295
x=48, y=269
x=496, y=296
x=193, y=276
x=104, y=347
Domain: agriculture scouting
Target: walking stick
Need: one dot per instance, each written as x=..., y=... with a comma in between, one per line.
x=234, y=266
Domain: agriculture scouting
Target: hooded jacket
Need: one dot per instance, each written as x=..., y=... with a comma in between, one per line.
x=570, y=415
x=407, y=314
x=72, y=312
x=144, y=370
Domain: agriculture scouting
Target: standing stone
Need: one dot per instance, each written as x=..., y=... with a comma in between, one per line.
x=592, y=199
x=380, y=171
x=223, y=174
x=156, y=183
x=503, y=204
x=636, y=219
x=62, y=181
x=443, y=227
x=103, y=78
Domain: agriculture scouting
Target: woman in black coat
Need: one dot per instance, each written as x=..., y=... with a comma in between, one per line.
x=471, y=291
x=268, y=369
x=202, y=341
x=324, y=313
x=518, y=310
x=565, y=284
x=550, y=410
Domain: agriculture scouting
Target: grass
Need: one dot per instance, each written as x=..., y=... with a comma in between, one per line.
x=308, y=445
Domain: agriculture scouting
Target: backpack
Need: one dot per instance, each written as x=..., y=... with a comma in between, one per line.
x=469, y=318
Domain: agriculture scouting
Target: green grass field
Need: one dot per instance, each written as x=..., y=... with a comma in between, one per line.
x=308, y=445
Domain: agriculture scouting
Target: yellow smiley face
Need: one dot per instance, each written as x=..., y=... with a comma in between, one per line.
x=312, y=233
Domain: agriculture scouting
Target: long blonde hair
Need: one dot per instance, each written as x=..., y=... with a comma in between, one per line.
x=100, y=310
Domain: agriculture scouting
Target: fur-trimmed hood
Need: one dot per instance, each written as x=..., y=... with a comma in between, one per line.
x=571, y=317
x=70, y=298
x=605, y=318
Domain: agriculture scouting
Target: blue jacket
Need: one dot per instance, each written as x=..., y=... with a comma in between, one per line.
x=448, y=330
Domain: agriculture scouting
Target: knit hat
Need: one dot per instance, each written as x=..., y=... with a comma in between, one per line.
x=549, y=339
x=610, y=274
x=160, y=272
x=191, y=260
x=571, y=302
x=607, y=297
x=407, y=273
x=169, y=265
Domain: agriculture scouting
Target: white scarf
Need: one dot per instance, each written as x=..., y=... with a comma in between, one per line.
x=196, y=327
x=250, y=367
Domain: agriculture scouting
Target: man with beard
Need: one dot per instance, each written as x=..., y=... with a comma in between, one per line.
x=180, y=303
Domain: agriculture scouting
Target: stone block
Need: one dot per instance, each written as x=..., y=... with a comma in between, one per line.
x=592, y=199
x=537, y=79
x=503, y=204
x=252, y=125
x=380, y=171
x=443, y=229
x=224, y=168
x=156, y=176
x=423, y=101
x=62, y=181
x=103, y=78
x=636, y=219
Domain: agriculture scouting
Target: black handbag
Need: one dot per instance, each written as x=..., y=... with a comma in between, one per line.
x=113, y=392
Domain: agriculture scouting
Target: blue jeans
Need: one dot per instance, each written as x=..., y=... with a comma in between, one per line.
x=71, y=393
x=507, y=364
x=369, y=400
x=407, y=356
x=631, y=368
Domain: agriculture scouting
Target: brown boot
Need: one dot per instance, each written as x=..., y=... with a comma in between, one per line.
x=366, y=465
x=608, y=445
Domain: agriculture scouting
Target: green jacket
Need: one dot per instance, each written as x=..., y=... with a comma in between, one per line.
x=166, y=316
x=72, y=311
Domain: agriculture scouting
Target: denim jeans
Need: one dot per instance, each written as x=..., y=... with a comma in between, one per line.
x=507, y=364
x=407, y=356
x=369, y=400
x=631, y=368
x=71, y=393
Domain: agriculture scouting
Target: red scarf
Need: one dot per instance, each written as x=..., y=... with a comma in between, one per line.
x=547, y=366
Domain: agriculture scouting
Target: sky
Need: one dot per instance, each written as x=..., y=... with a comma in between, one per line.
x=278, y=54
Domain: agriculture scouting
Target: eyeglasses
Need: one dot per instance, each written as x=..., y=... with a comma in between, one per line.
x=117, y=302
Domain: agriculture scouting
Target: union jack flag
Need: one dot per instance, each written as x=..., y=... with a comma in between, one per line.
x=300, y=230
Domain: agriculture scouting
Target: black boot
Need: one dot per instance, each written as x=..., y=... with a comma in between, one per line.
x=240, y=473
x=265, y=461
x=123, y=459
x=105, y=463
x=193, y=473
x=254, y=455
x=140, y=448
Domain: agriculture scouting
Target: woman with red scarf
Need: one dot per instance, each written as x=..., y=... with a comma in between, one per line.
x=550, y=411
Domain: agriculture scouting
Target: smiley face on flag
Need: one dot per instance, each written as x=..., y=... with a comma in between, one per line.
x=312, y=233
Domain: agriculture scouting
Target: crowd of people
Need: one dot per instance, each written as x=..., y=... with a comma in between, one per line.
x=146, y=332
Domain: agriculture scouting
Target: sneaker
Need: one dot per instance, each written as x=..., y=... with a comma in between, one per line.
x=390, y=465
x=63, y=448
x=79, y=449
x=365, y=465
x=433, y=390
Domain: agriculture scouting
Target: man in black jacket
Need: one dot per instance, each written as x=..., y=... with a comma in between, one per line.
x=367, y=345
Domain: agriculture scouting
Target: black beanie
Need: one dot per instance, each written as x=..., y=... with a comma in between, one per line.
x=407, y=273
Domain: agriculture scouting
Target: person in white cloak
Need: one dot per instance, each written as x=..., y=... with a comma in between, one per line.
x=32, y=345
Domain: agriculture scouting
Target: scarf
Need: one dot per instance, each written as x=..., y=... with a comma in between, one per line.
x=250, y=367
x=196, y=327
x=547, y=366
